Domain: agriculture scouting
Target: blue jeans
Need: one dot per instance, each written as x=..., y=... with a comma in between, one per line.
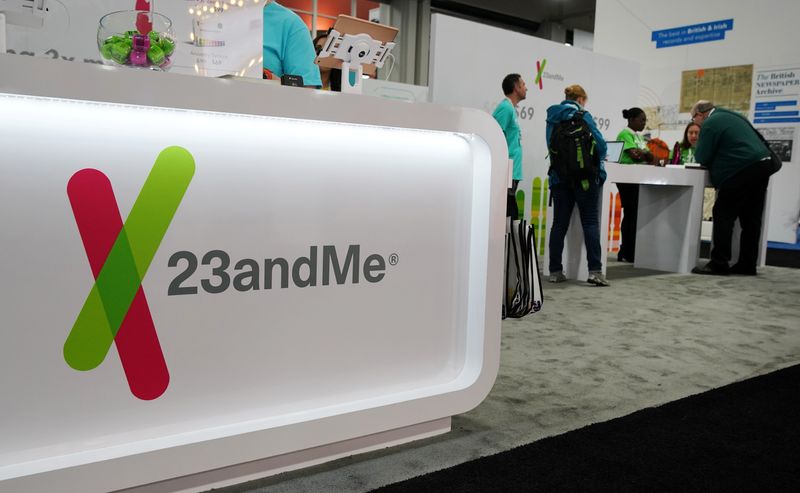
x=565, y=196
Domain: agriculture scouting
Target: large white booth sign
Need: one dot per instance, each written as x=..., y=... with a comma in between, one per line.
x=469, y=61
x=313, y=268
x=468, y=64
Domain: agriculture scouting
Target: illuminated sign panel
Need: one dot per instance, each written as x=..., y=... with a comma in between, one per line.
x=279, y=277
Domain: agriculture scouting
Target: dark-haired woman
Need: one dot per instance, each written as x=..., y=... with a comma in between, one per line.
x=687, y=145
x=634, y=151
x=331, y=77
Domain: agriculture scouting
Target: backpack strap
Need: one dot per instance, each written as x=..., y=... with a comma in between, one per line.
x=578, y=116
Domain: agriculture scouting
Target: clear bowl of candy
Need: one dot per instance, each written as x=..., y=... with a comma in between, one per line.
x=134, y=38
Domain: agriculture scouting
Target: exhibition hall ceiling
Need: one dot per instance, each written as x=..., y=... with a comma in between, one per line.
x=573, y=14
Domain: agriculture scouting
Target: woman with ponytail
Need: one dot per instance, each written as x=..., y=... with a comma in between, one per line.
x=634, y=151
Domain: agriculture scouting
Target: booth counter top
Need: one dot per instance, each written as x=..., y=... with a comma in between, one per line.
x=204, y=272
x=657, y=175
x=668, y=226
x=669, y=214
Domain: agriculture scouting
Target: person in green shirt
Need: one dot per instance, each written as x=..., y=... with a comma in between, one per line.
x=634, y=151
x=685, y=148
x=515, y=90
x=738, y=162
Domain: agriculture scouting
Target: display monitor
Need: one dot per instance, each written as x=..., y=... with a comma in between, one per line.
x=614, y=151
x=346, y=24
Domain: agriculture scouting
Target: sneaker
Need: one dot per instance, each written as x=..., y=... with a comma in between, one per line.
x=598, y=279
x=622, y=258
x=712, y=269
x=557, y=277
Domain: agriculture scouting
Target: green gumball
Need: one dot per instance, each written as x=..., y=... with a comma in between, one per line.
x=106, y=49
x=120, y=52
x=168, y=46
x=156, y=55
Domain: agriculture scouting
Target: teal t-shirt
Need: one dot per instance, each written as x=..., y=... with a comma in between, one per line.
x=287, y=46
x=506, y=116
x=630, y=140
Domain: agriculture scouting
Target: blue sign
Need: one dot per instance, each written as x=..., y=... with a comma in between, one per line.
x=770, y=114
x=696, y=33
x=773, y=105
x=777, y=120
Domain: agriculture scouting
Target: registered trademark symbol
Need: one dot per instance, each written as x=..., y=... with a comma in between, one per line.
x=393, y=259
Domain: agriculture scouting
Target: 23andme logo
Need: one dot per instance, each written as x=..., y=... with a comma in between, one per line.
x=540, y=64
x=119, y=255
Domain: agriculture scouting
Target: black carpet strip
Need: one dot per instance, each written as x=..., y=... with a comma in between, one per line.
x=783, y=258
x=741, y=437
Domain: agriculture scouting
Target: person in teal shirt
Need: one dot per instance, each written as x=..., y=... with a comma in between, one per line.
x=634, y=151
x=515, y=91
x=287, y=46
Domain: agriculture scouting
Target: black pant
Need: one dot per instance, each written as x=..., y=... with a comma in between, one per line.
x=511, y=202
x=742, y=196
x=629, y=196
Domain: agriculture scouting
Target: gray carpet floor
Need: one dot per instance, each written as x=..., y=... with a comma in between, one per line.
x=593, y=354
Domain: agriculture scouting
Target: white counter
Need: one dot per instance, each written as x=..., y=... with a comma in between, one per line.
x=670, y=214
x=668, y=225
x=321, y=274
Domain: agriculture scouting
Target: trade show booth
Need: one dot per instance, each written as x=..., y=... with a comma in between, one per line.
x=216, y=274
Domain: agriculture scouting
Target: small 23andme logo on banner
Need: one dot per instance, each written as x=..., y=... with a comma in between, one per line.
x=116, y=309
x=540, y=64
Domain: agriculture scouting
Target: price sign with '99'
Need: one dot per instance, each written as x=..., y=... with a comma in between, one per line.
x=602, y=123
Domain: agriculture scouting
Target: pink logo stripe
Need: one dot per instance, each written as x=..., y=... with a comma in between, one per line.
x=100, y=223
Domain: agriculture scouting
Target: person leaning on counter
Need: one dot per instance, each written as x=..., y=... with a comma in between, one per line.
x=737, y=161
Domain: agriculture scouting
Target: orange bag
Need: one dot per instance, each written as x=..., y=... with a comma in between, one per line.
x=659, y=149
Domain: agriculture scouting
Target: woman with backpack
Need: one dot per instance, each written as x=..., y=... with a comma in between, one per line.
x=576, y=176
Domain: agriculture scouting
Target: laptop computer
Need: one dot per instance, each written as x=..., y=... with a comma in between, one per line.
x=614, y=151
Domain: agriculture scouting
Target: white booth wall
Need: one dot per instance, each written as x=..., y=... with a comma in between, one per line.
x=469, y=61
x=764, y=35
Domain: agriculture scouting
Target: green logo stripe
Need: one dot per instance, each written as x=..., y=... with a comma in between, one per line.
x=157, y=202
x=90, y=334
x=130, y=257
x=540, y=71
